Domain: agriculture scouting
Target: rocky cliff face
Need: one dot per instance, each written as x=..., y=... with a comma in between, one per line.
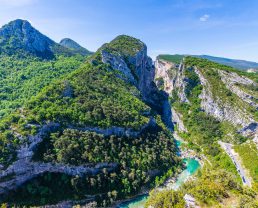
x=236, y=112
x=135, y=65
x=117, y=62
x=164, y=70
x=173, y=76
x=232, y=80
x=137, y=68
x=221, y=110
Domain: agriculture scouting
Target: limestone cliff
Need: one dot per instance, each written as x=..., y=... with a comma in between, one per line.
x=173, y=76
x=129, y=56
x=225, y=95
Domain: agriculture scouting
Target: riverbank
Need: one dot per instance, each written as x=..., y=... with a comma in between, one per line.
x=192, y=163
x=172, y=183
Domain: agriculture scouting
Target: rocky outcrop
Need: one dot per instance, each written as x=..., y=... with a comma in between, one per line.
x=223, y=111
x=23, y=170
x=173, y=76
x=190, y=201
x=231, y=80
x=251, y=130
x=208, y=103
x=174, y=79
x=177, y=120
x=118, y=131
x=117, y=62
x=181, y=83
x=137, y=68
x=163, y=69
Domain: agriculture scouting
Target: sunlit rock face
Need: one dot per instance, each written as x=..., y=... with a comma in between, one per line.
x=137, y=68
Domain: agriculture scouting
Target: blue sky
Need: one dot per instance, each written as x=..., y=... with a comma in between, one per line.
x=227, y=28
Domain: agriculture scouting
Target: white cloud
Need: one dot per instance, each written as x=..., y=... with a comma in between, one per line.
x=16, y=3
x=204, y=18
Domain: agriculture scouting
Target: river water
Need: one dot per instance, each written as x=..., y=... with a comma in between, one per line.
x=192, y=166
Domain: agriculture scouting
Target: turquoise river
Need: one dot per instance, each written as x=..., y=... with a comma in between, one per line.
x=192, y=166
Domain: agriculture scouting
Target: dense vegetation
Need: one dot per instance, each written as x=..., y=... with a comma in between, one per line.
x=209, y=65
x=171, y=58
x=22, y=78
x=153, y=151
x=124, y=45
x=42, y=190
x=166, y=199
x=91, y=96
x=249, y=155
x=210, y=188
x=43, y=84
x=76, y=148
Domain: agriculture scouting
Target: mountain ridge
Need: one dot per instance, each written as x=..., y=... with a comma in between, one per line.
x=20, y=37
x=243, y=65
x=71, y=44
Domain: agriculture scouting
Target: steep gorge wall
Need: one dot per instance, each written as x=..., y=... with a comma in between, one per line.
x=173, y=77
x=139, y=70
x=223, y=110
x=175, y=80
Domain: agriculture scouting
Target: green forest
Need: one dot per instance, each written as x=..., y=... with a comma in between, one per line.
x=22, y=78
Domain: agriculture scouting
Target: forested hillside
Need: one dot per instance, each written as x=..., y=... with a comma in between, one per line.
x=90, y=131
x=30, y=61
x=22, y=78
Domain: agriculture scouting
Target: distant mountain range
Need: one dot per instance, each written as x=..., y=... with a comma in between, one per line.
x=239, y=64
x=235, y=63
